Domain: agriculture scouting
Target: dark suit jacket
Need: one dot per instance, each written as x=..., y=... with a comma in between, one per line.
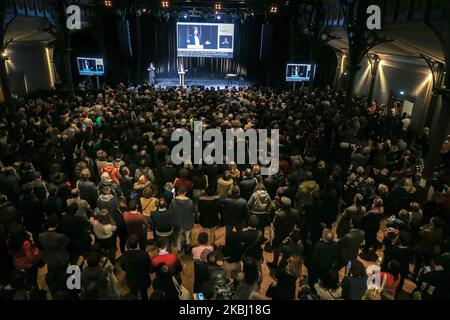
x=324, y=256
x=54, y=245
x=234, y=211
x=136, y=264
x=349, y=245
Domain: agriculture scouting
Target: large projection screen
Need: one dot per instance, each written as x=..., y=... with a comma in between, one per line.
x=213, y=40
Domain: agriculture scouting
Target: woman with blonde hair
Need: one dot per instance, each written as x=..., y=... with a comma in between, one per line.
x=286, y=276
x=148, y=202
x=105, y=232
x=139, y=186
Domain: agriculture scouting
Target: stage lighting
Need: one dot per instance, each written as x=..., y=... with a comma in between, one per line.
x=108, y=3
x=185, y=16
x=273, y=9
x=218, y=17
x=165, y=4
x=217, y=7
x=402, y=93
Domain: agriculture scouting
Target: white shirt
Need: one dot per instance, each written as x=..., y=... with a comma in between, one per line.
x=197, y=40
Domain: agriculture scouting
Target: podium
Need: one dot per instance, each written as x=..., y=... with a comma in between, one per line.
x=181, y=77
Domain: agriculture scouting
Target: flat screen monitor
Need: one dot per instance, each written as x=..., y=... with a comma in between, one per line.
x=212, y=40
x=90, y=66
x=299, y=72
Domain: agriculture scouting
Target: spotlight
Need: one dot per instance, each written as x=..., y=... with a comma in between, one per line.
x=218, y=17
x=165, y=4
x=108, y=3
x=217, y=7
x=185, y=16
x=402, y=93
x=273, y=9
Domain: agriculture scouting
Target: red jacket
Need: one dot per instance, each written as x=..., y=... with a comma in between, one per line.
x=113, y=171
x=27, y=256
x=170, y=260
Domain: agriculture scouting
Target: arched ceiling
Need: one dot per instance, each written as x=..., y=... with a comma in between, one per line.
x=408, y=40
x=27, y=29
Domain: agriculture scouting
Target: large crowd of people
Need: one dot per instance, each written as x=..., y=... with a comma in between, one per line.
x=88, y=181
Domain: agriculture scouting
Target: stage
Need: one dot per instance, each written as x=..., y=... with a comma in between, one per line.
x=207, y=83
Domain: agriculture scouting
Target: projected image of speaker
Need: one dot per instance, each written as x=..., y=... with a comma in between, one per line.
x=213, y=40
x=297, y=72
x=90, y=66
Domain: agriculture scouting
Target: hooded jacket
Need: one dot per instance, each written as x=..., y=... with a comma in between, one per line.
x=113, y=172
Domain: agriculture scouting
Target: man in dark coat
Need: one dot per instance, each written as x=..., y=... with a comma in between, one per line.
x=286, y=218
x=136, y=264
x=325, y=255
x=349, y=245
x=234, y=210
x=76, y=228
x=54, y=243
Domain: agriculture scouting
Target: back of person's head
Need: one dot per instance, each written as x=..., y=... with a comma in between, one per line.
x=161, y=243
x=358, y=199
x=394, y=267
x=294, y=266
x=437, y=222
x=330, y=280
x=52, y=190
x=357, y=269
x=253, y=221
x=327, y=235
x=72, y=208
x=132, y=205
x=260, y=187
x=250, y=270
x=210, y=191
x=162, y=203
x=147, y=193
x=85, y=174
x=168, y=186
x=286, y=203
x=52, y=221
x=106, y=190
x=182, y=190
x=226, y=176
x=75, y=193
x=235, y=191
x=133, y=242
x=184, y=173
x=211, y=258
x=203, y=238
x=93, y=258
x=142, y=162
x=309, y=175
x=403, y=215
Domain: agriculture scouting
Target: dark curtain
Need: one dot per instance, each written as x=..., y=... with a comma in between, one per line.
x=158, y=44
x=326, y=67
